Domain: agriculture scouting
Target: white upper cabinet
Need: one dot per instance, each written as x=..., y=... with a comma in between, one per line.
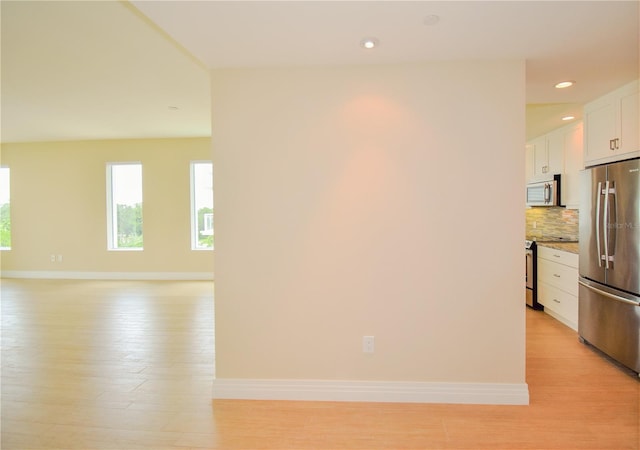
x=558, y=152
x=573, y=164
x=611, y=126
x=544, y=157
x=555, y=148
x=536, y=158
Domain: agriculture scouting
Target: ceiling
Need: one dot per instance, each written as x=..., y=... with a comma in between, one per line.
x=96, y=70
x=114, y=69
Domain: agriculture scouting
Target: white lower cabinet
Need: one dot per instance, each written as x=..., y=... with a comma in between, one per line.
x=558, y=284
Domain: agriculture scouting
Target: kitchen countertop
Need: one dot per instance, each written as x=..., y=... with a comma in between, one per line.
x=571, y=247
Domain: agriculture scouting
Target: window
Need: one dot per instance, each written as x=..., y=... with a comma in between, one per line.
x=124, y=206
x=201, y=206
x=5, y=209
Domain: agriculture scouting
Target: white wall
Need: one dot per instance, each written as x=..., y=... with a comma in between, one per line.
x=370, y=200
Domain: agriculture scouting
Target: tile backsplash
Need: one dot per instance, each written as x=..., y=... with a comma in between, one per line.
x=551, y=223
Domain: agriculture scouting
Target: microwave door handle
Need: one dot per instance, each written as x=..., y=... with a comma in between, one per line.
x=598, y=244
x=547, y=192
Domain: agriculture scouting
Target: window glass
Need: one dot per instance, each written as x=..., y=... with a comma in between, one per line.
x=201, y=205
x=5, y=209
x=124, y=206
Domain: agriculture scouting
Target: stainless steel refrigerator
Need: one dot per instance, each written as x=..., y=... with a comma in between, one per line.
x=609, y=283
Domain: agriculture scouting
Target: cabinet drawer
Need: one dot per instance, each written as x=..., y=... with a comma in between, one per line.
x=559, y=256
x=559, y=302
x=558, y=275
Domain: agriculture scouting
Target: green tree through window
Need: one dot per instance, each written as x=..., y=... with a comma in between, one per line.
x=130, y=226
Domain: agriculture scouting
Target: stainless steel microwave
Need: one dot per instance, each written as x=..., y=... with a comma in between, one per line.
x=544, y=193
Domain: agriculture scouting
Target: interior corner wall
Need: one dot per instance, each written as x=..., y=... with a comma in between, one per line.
x=58, y=206
x=379, y=201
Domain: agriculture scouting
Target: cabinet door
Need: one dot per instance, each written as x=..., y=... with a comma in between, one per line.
x=600, y=126
x=540, y=158
x=559, y=276
x=555, y=152
x=557, y=256
x=573, y=164
x=611, y=126
x=629, y=118
x=529, y=158
x=559, y=304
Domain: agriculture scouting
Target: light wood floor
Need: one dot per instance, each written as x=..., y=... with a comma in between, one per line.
x=129, y=365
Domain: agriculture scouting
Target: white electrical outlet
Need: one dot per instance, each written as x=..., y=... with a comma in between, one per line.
x=367, y=344
x=52, y=258
x=59, y=258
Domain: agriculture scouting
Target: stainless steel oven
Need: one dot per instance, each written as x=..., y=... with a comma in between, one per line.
x=531, y=274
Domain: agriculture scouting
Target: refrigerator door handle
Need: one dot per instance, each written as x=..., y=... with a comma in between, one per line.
x=598, y=245
x=608, y=294
x=608, y=191
x=605, y=224
x=613, y=229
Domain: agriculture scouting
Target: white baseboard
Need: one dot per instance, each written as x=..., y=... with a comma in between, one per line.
x=372, y=391
x=571, y=324
x=64, y=275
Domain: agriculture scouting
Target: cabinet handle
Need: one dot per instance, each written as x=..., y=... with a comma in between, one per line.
x=555, y=255
x=556, y=275
x=556, y=300
x=614, y=144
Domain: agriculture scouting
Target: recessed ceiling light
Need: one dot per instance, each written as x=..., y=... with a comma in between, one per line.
x=369, y=43
x=565, y=84
x=565, y=118
x=431, y=19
